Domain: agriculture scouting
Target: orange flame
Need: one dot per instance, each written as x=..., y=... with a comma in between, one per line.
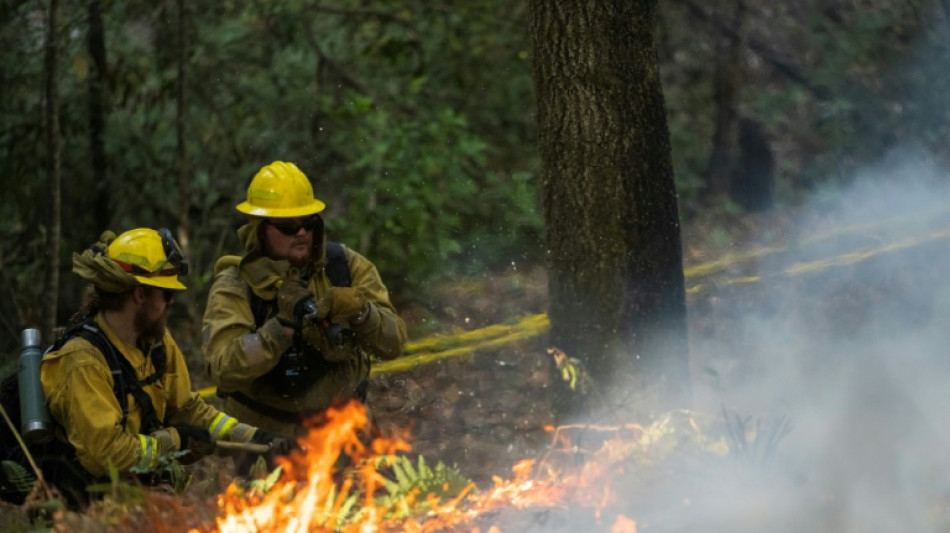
x=334, y=467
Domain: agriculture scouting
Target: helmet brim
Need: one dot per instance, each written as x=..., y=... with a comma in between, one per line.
x=281, y=212
x=162, y=282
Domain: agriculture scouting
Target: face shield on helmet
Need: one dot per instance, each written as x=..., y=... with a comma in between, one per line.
x=152, y=257
x=280, y=190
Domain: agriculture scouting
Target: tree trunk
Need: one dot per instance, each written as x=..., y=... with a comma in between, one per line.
x=53, y=173
x=726, y=89
x=617, y=298
x=102, y=212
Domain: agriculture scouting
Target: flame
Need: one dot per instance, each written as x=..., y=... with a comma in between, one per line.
x=331, y=484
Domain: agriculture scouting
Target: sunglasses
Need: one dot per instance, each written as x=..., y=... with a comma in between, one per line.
x=168, y=295
x=292, y=226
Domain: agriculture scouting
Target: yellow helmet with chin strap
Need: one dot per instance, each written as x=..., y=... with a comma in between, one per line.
x=152, y=257
x=280, y=190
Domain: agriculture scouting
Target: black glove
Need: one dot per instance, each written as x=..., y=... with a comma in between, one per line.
x=291, y=298
x=278, y=445
x=196, y=440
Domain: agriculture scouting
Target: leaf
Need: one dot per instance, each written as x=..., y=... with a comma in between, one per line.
x=420, y=480
x=18, y=476
x=272, y=478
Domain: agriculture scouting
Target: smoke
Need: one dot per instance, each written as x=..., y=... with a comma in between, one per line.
x=846, y=337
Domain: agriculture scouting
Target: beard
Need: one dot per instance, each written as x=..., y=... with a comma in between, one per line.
x=299, y=257
x=150, y=331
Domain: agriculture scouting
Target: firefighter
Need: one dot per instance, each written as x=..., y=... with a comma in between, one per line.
x=290, y=326
x=116, y=383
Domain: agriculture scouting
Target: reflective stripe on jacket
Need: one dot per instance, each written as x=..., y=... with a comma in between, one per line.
x=78, y=385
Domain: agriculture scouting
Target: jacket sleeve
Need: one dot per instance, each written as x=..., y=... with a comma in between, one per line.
x=384, y=332
x=235, y=351
x=78, y=387
x=185, y=406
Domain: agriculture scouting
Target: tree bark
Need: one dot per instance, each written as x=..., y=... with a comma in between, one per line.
x=53, y=173
x=726, y=89
x=617, y=298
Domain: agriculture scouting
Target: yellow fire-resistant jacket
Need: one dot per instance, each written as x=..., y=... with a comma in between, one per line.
x=238, y=354
x=78, y=385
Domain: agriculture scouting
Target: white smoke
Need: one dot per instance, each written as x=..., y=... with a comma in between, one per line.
x=855, y=353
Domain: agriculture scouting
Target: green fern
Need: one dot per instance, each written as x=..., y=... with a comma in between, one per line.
x=344, y=515
x=443, y=482
x=259, y=480
x=19, y=477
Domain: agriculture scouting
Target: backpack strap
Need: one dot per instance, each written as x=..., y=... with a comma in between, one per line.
x=124, y=380
x=261, y=309
x=337, y=269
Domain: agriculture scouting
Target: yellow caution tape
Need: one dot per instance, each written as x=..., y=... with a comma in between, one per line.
x=443, y=346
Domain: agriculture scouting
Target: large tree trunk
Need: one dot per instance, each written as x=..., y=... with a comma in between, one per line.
x=617, y=299
x=53, y=173
x=96, y=44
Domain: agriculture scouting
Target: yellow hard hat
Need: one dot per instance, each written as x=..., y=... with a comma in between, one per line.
x=152, y=257
x=280, y=190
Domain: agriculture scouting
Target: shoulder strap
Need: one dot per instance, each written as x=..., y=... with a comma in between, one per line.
x=124, y=380
x=338, y=270
x=261, y=309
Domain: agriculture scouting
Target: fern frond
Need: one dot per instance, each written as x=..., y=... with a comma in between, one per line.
x=19, y=477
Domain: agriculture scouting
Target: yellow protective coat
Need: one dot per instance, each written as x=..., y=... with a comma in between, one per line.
x=237, y=353
x=78, y=385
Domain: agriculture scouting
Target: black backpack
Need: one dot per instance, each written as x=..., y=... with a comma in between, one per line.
x=57, y=459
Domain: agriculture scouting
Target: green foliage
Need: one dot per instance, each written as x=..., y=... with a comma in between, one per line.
x=258, y=480
x=121, y=491
x=17, y=476
x=168, y=470
x=416, y=144
x=408, y=492
x=414, y=120
x=348, y=509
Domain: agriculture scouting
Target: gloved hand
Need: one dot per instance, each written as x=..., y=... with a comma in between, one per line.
x=279, y=445
x=196, y=440
x=290, y=298
x=341, y=304
x=244, y=461
x=334, y=343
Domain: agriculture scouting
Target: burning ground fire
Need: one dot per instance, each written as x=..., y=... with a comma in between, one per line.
x=338, y=482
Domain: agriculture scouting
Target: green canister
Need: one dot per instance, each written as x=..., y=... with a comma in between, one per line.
x=35, y=421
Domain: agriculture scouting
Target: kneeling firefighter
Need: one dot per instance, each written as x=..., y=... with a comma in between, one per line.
x=290, y=326
x=116, y=382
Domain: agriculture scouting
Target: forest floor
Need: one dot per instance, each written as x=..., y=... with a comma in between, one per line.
x=817, y=353
x=817, y=345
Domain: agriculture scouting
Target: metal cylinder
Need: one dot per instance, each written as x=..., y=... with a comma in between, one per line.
x=36, y=424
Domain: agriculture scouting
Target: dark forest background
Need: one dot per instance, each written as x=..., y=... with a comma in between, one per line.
x=415, y=122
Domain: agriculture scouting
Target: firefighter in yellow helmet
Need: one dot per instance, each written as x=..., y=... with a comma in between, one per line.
x=116, y=382
x=290, y=326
